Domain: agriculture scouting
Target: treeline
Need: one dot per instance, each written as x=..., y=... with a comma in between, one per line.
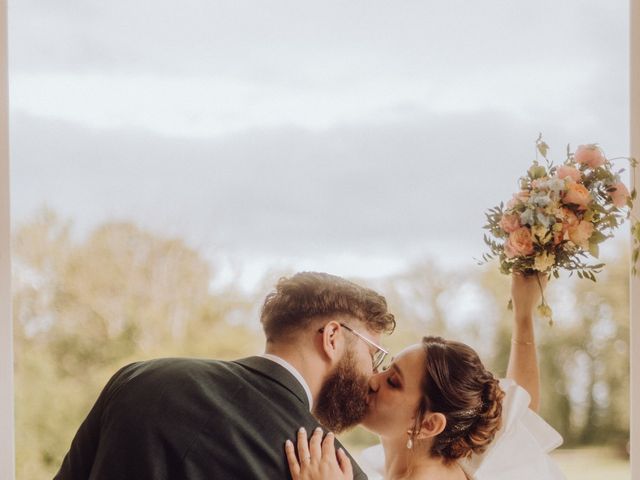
x=83, y=308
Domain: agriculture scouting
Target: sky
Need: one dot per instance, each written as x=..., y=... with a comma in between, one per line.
x=352, y=137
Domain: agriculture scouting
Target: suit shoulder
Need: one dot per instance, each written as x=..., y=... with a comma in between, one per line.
x=163, y=370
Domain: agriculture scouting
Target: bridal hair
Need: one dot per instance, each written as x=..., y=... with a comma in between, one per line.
x=457, y=385
x=297, y=300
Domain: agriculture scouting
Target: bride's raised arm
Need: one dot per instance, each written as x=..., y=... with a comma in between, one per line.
x=523, y=360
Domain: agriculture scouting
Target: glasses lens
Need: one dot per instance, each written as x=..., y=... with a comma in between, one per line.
x=378, y=358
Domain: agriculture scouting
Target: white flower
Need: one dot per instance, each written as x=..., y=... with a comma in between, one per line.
x=526, y=217
x=540, y=199
x=544, y=261
x=543, y=219
x=556, y=185
x=541, y=232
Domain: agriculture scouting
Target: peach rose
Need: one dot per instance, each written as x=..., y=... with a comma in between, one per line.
x=589, y=155
x=520, y=197
x=510, y=223
x=620, y=195
x=568, y=217
x=581, y=233
x=577, y=194
x=565, y=171
x=519, y=243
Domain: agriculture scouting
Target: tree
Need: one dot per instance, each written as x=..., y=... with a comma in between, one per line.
x=83, y=309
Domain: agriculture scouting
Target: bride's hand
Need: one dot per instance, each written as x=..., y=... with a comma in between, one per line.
x=318, y=459
x=526, y=292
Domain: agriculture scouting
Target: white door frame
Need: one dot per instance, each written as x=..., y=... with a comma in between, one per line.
x=634, y=314
x=7, y=442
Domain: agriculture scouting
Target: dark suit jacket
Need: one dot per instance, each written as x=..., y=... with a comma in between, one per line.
x=191, y=419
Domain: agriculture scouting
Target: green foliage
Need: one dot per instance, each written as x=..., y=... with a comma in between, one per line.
x=83, y=309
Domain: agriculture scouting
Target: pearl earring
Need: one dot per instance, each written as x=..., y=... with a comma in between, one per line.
x=410, y=441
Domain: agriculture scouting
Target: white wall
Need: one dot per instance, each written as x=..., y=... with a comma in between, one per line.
x=7, y=450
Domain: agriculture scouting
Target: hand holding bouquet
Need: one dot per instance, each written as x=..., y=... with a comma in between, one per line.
x=560, y=216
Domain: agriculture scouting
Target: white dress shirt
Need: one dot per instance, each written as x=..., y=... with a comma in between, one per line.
x=283, y=363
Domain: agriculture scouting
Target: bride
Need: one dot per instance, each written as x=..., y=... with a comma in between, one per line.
x=437, y=411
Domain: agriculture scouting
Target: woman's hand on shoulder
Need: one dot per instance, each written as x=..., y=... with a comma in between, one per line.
x=316, y=458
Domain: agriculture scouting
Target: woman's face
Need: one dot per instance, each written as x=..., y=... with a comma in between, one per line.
x=395, y=393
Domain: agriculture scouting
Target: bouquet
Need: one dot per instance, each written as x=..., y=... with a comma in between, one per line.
x=560, y=216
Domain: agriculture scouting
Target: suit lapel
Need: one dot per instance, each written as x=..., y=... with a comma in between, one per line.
x=277, y=373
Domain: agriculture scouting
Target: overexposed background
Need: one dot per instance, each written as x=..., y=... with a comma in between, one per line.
x=352, y=135
x=363, y=138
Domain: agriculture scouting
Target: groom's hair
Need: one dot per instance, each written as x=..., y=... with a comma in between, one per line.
x=298, y=300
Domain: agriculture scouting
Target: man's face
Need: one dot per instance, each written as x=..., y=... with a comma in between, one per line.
x=342, y=400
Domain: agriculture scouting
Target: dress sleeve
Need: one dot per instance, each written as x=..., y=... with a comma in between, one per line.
x=521, y=446
x=520, y=449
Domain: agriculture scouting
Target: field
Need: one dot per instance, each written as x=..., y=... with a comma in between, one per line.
x=592, y=464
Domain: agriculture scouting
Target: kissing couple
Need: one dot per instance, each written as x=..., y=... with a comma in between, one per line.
x=439, y=412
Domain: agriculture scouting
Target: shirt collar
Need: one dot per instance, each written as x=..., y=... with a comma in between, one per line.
x=291, y=369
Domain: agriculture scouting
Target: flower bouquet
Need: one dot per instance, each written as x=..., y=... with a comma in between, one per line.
x=560, y=216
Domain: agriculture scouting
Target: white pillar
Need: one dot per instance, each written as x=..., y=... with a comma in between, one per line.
x=7, y=449
x=634, y=317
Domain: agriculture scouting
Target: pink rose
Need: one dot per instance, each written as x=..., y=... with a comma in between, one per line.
x=510, y=223
x=568, y=217
x=519, y=243
x=520, y=197
x=578, y=195
x=565, y=171
x=589, y=155
x=580, y=234
x=620, y=195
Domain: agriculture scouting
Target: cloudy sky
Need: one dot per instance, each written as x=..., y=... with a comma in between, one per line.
x=353, y=137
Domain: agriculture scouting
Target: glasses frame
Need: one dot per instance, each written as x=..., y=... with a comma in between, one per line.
x=377, y=358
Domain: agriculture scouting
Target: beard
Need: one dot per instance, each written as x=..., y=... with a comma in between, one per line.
x=342, y=401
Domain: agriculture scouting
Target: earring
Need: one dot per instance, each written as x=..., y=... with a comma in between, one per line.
x=410, y=441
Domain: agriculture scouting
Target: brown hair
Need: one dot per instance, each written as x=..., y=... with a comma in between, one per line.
x=297, y=300
x=457, y=385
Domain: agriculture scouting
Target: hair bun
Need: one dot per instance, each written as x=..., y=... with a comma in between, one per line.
x=459, y=386
x=490, y=419
x=473, y=430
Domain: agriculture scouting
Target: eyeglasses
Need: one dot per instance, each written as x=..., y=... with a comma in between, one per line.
x=378, y=357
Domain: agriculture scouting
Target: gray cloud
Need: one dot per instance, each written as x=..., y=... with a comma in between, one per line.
x=311, y=43
x=379, y=188
x=400, y=174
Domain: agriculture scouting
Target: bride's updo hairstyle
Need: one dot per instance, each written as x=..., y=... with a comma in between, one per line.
x=457, y=384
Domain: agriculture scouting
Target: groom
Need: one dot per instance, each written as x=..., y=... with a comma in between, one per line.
x=208, y=419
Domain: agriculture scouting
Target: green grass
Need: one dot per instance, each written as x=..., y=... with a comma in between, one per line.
x=594, y=463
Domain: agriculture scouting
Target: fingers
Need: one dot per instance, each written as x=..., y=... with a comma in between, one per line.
x=303, y=447
x=344, y=463
x=315, y=449
x=294, y=466
x=316, y=456
x=328, y=448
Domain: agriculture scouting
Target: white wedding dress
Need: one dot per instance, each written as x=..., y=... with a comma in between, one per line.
x=519, y=451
